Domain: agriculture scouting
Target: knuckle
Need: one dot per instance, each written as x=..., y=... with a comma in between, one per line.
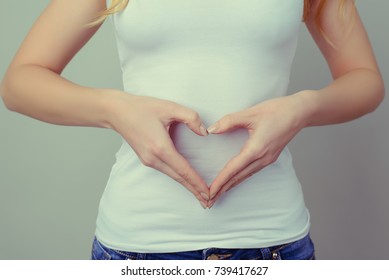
x=270, y=159
x=158, y=150
x=148, y=160
x=256, y=151
x=227, y=120
x=180, y=180
x=252, y=152
x=193, y=117
x=185, y=176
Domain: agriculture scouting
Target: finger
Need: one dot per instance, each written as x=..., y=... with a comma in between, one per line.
x=191, y=119
x=177, y=163
x=233, y=167
x=227, y=123
x=162, y=155
x=164, y=168
x=241, y=176
x=217, y=196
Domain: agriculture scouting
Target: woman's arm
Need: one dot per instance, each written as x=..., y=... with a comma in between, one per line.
x=33, y=86
x=357, y=89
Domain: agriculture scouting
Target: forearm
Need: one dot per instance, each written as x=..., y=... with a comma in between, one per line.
x=348, y=97
x=44, y=95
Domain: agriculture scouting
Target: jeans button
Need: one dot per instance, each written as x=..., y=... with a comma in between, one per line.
x=275, y=255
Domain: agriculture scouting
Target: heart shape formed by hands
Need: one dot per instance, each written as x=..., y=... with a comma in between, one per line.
x=270, y=125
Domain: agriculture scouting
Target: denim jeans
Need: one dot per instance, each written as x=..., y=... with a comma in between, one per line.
x=302, y=249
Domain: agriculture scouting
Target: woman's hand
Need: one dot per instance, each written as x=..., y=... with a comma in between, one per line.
x=271, y=125
x=144, y=122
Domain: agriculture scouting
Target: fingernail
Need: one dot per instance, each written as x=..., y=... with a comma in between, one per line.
x=205, y=206
x=212, y=129
x=211, y=204
x=203, y=130
x=205, y=196
x=213, y=196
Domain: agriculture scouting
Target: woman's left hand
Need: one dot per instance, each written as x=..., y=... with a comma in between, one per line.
x=271, y=125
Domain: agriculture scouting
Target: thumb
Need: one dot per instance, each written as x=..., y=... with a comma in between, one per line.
x=227, y=123
x=191, y=119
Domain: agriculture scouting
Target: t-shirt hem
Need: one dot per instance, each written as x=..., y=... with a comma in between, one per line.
x=228, y=244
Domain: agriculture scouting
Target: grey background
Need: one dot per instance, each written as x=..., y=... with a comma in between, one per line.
x=52, y=177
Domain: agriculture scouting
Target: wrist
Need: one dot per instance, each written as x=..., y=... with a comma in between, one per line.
x=306, y=107
x=111, y=102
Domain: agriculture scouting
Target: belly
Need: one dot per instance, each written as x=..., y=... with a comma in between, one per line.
x=207, y=154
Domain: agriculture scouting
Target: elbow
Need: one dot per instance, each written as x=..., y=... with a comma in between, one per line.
x=372, y=88
x=379, y=94
x=10, y=89
x=6, y=95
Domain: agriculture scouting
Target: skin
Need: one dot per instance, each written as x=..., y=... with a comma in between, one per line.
x=144, y=122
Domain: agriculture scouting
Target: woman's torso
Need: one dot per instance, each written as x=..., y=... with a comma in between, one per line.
x=215, y=57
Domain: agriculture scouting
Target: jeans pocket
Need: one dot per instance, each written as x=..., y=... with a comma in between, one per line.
x=302, y=249
x=98, y=251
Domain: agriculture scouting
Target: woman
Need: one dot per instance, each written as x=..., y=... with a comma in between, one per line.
x=220, y=69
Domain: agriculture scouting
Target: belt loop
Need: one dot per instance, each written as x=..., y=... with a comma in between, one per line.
x=205, y=253
x=266, y=253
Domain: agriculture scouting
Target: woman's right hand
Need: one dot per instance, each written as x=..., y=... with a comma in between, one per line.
x=144, y=122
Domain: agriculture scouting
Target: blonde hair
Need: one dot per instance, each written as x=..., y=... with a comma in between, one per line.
x=116, y=6
x=315, y=8
x=310, y=6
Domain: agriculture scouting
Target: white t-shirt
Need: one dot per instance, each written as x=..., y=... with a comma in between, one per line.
x=215, y=57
